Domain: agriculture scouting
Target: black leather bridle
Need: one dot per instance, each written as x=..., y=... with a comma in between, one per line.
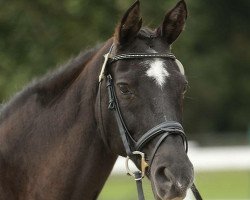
x=132, y=147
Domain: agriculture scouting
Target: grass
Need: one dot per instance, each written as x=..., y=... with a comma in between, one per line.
x=226, y=185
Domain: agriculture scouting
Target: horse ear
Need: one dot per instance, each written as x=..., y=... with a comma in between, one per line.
x=174, y=22
x=130, y=25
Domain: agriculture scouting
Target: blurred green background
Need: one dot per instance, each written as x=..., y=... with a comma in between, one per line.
x=36, y=36
x=39, y=35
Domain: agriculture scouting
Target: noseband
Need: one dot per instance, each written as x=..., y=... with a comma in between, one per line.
x=132, y=147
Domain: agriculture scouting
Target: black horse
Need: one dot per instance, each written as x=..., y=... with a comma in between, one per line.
x=58, y=139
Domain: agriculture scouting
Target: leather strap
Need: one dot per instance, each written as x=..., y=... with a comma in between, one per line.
x=162, y=138
x=101, y=126
x=113, y=105
x=165, y=127
x=138, y=179
x=196, y=192
x=140, y=56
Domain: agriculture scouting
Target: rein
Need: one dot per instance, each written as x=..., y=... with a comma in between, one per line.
x=132, y=147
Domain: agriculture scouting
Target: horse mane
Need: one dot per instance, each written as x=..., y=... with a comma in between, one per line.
x=51, y=84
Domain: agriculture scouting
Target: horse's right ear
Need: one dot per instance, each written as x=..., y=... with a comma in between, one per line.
x=130, y=25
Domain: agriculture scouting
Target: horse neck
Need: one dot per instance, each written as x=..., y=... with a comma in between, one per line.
x=55, y=151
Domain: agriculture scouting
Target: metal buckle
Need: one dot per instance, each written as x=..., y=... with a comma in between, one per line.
x=144, y=165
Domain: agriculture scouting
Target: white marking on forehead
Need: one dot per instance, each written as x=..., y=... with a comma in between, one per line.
x=181, y=68
x=158, y=72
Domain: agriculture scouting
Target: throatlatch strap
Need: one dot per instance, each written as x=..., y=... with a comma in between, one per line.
x=101, y=126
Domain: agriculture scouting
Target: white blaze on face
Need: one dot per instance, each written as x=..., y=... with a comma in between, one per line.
x=158, y=72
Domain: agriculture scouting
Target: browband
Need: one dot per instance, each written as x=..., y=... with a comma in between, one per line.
x=140, y=56
x=109, y=58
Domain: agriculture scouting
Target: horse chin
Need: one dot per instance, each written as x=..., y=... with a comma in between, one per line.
x=177, y=198
x=165, y=197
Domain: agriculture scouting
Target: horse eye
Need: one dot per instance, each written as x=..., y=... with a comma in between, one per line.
x=124, y=89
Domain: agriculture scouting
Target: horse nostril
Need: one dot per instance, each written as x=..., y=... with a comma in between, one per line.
x=163, y=176
x=168, y=186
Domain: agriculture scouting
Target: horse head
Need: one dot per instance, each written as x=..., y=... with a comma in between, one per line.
x=150, y=91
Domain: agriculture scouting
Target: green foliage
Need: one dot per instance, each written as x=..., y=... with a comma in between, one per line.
x=217, y=50
x=37, y=35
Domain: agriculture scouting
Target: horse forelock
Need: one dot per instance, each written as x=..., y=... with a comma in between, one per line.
x=146, y=32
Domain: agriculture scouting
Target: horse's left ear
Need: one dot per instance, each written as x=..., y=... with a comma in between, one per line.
x=174, y=22
x=129, y=26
